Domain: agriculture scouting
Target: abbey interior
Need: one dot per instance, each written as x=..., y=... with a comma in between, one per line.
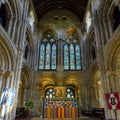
x=59, y=58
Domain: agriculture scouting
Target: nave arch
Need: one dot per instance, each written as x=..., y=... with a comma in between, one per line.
x=7, y=52
x=96, y=88
x=7, y=62
x=112, y=60
x=113, y=66
x=25, y=86
x=60, y=83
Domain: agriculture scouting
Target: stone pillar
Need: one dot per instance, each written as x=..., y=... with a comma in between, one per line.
x=41, y=104
x=110, y=27
x=7, y=82
x=1, y=79
x=110, y=76
x=18, y=32
x=10, y=25
x=25, y=95
x=79, y=103
x=14, y=27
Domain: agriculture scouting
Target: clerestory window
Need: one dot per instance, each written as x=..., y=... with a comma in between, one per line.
x=48, y=53
x=72, y=54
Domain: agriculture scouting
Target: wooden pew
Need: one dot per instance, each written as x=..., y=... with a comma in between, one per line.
x=87, y=112
x=21, y=113
x=95, y=112
x=99, y=112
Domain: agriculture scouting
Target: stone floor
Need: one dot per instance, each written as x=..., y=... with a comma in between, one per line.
x=82, y=118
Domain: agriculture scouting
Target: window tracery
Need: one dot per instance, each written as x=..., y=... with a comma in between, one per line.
x=48, y=54
x=72, y=51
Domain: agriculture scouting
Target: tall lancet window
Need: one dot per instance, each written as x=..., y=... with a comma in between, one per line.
x=48, y=53
x=72, y=58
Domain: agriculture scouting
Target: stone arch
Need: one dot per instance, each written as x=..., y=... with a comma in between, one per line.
x=28, y=45
x=76, y=82
x=47, y=28
x=7, y=52
x=113, y=67
x=46, y=79
x=6, y=7
x=96, y=88
x=116, y=17
x=16, y=9
x=74, y=29
x=24, y=86
x=12, y=16
x=72, y=80
x=111, y=54
x=110, y=13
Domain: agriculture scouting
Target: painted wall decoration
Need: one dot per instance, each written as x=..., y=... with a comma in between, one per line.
x=7, y=97
x=60, y=91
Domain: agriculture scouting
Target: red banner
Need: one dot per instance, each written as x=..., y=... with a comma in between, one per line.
x=113, y=101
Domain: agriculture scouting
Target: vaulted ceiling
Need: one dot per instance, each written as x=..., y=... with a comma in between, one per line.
x=77, y=7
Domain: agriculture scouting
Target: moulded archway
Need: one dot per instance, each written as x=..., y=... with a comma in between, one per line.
x=24, y=86
x=96, y=89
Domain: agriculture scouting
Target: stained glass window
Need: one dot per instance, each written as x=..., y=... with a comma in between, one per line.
x=47, y=61
x=42, y=56
x=72, y=55
x=66, y=57
x=48, y=50
x=70, y=93
x=78, y=64
x=53, y=56
x=50, y=93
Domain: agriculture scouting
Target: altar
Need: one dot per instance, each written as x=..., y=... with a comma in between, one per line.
x=60, y=109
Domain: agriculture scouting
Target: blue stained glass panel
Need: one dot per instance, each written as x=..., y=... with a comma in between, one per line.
x=42, y=56
x=53, y=56
x=78, y=64
x=47, y=62
x=66, y=57
x=45, y=40
x=72, y=57
x=52, y=40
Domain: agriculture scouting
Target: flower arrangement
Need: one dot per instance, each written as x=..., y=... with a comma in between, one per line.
x=29, y=104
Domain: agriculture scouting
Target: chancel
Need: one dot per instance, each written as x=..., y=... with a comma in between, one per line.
x=59, y=59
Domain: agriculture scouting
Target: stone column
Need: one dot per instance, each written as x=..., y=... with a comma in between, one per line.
x=41, y=104
x=6, y=84
x=110, y=76
x=79, y=103
x=10, y=25
x=14, y=27
x=1, y=79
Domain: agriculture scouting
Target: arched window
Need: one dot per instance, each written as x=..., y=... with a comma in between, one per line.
x=48, y=53
x=50, y=93
x=31, y=19
x=116, y=17
x=27, y=47
x=88, y=21
x=70, y=93
x=26, y=51
x=72, y=54
x=3, y=15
